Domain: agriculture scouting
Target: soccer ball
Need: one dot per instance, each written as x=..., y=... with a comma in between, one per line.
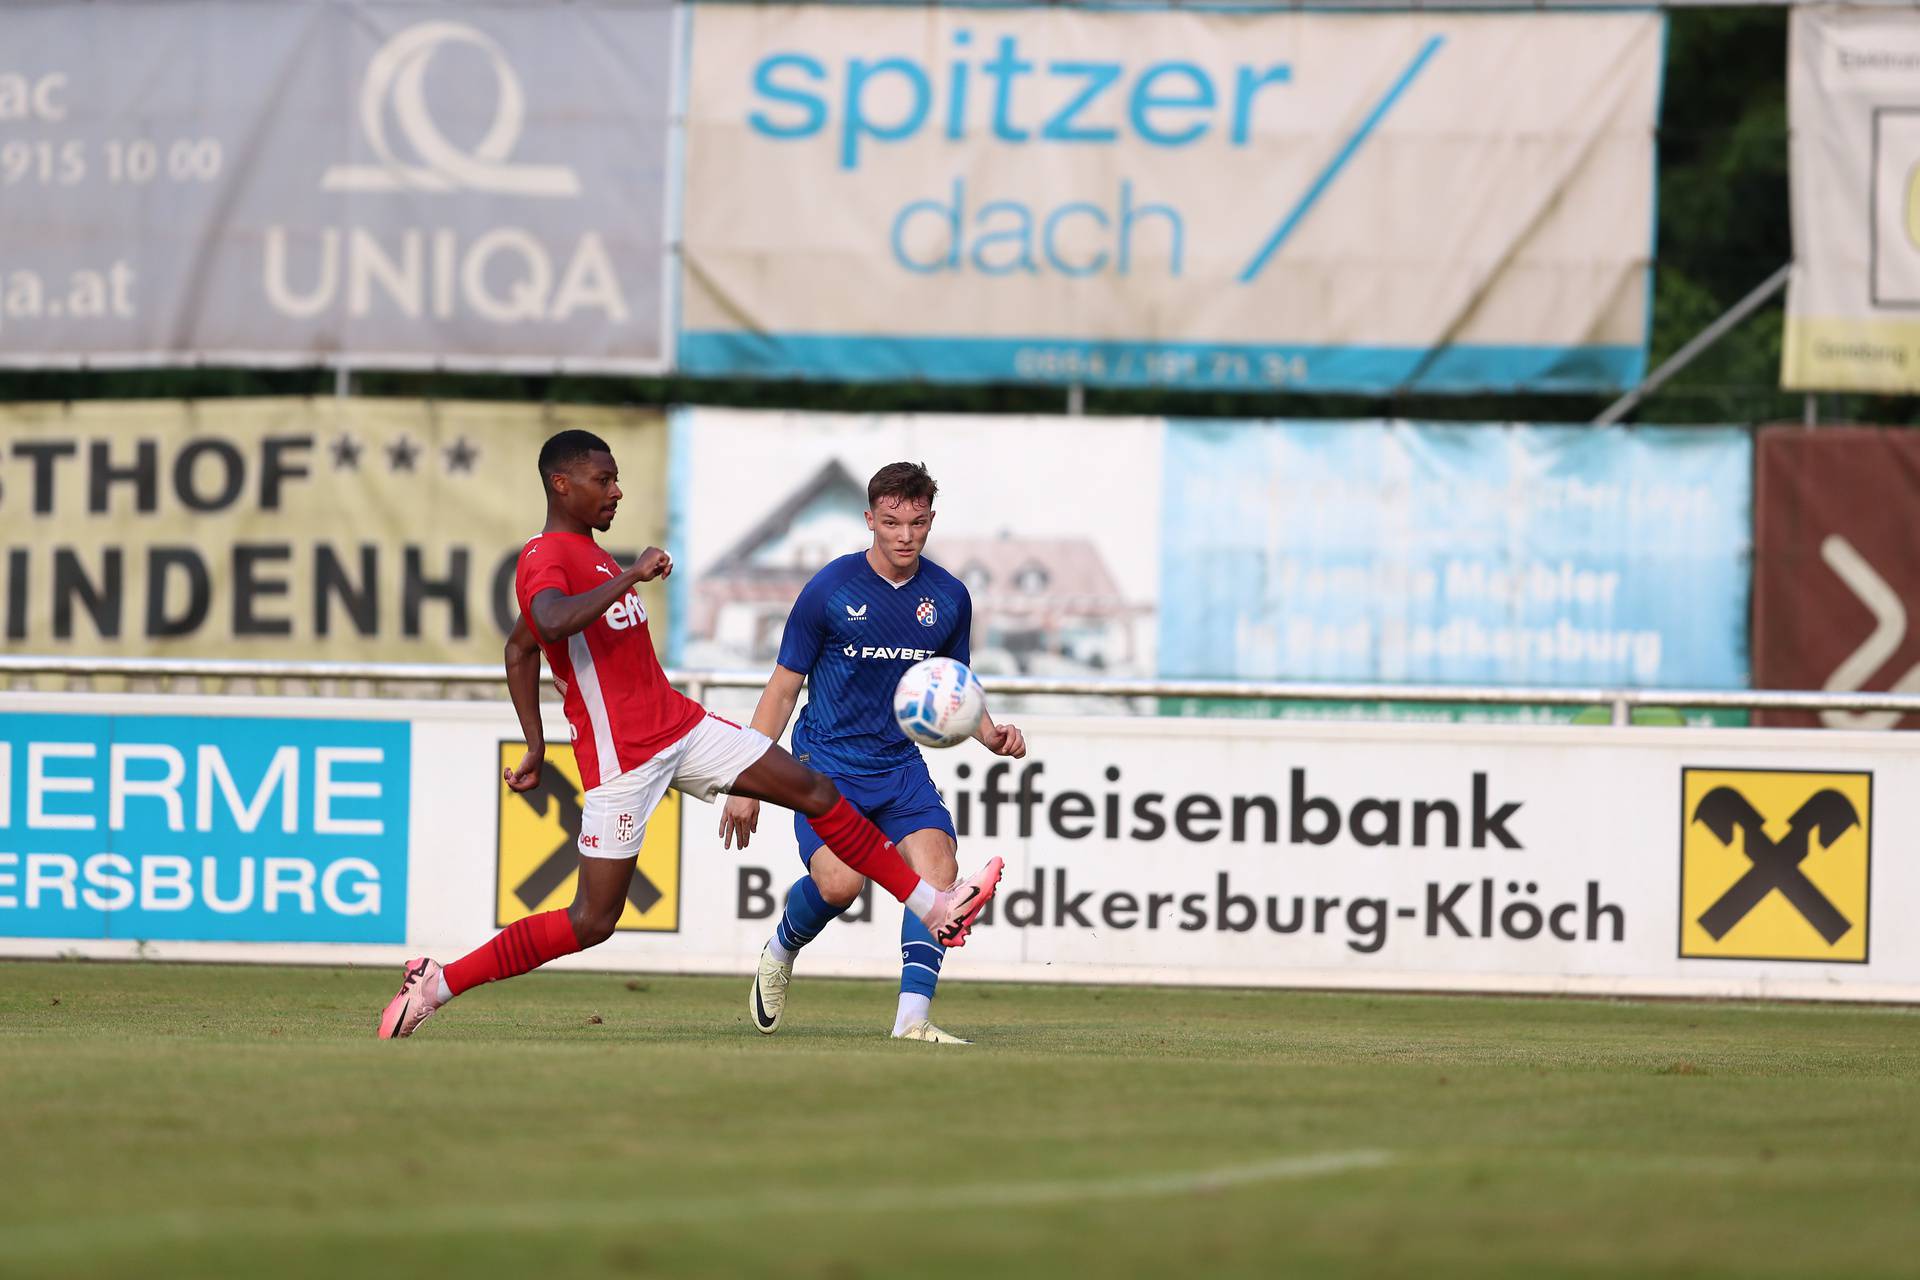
x=939, y=702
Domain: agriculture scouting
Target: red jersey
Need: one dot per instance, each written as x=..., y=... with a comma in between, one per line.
x=622, y=710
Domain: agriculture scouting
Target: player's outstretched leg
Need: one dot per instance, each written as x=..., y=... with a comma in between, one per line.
x=522, y=946
x=948, y=913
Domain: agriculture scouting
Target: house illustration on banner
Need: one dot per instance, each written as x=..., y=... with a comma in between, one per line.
x=1041, y=606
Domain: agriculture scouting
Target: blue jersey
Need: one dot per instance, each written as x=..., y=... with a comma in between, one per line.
x=853, y=634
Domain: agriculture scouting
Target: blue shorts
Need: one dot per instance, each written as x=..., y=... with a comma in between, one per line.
x=899, y=803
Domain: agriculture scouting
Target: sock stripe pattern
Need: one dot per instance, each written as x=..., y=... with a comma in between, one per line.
x=920, y=958
x=806, y=915
x=859, y=844
x=521, y=946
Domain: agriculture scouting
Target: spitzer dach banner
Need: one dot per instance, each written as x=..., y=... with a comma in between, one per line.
x=1433, y=202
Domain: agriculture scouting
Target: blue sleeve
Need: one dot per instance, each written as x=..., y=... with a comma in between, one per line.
x=960, y=643
x=806, y=628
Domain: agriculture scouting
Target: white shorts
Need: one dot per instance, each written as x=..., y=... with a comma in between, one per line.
x=613, y=821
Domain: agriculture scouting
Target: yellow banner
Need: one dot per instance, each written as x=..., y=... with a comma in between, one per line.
x=537, y=865
x=335, y=530
x=1860, y=355
x=1775, y=865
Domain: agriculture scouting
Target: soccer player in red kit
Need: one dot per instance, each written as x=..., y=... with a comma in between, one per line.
x=634, y=736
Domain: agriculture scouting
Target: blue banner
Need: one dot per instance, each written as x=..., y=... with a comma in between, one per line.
x=1205, y=197
x=1456, y=554
x=201, y=829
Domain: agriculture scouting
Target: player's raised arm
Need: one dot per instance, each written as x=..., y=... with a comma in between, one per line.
x=558, y=615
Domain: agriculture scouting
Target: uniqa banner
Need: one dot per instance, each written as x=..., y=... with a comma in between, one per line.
x=1434, y=202
x=1471, y=554
x=332, y=530
x=478, y=186
x=1853, y=300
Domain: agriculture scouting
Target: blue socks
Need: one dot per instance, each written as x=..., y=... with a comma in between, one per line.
x=920, y=958
x=806, y=915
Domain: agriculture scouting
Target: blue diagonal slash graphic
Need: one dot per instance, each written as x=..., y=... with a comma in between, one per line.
x=1339, y=161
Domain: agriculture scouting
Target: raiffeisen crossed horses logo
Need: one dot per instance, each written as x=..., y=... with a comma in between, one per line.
x=538, y=862
x=1775, y=865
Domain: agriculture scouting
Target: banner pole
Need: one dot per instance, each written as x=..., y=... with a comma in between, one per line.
x=1698, y=343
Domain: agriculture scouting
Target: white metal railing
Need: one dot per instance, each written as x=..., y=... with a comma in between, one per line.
x=1621, y=702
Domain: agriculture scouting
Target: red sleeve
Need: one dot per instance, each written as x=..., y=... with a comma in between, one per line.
x=539, y=569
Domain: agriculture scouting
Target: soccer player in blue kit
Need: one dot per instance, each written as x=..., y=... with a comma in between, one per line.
x=857, y=626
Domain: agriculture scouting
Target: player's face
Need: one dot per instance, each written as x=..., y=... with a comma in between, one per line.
x=900, y=530
x=590, y=490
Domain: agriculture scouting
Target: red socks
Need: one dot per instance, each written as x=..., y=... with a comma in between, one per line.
x=859, y=844
x=523, y=945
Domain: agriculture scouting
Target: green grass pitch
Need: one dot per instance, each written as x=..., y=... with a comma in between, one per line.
x=164, y=1120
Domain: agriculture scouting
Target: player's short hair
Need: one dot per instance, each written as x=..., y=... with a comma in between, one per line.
x=903, y=482
x=566, y=448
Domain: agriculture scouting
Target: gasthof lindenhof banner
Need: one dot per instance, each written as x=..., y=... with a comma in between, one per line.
x=481, y=186
x=1853, y=302
x=333, y=529
x=1439, y=202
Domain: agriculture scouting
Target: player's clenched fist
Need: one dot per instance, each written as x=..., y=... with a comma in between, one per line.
x=653, y=563
x=527, y=776
x=1004, y=740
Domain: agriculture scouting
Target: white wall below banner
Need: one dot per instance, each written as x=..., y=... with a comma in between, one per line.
x=1435, y=857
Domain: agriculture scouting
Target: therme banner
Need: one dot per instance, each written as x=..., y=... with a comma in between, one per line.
x=1435, y=202
x=1471, y=554
x=338, y=529
x=479, y=186
x=1853, y=301
x=203, y=828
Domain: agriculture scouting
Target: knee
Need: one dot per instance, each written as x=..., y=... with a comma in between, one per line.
x=820, y=795
x=839, y=885
x=593, y=927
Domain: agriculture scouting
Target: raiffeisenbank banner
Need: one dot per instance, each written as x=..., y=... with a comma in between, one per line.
x=334, y=530
x=1436, y=201
x=1853, y=302
x=479, y=186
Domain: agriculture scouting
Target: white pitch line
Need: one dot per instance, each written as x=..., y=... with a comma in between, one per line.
x=100, y=1233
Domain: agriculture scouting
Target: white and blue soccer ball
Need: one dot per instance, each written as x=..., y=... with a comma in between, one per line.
x=939, y=702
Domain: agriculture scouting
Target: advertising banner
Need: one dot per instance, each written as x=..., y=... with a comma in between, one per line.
x=1836, y=574
x=1422, y=857
x=324, y=530
x=199, y=827
x=1245, y=201
x=473, y=186
x=1853, y=301
x=1472, y=554
x=1060, y=553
